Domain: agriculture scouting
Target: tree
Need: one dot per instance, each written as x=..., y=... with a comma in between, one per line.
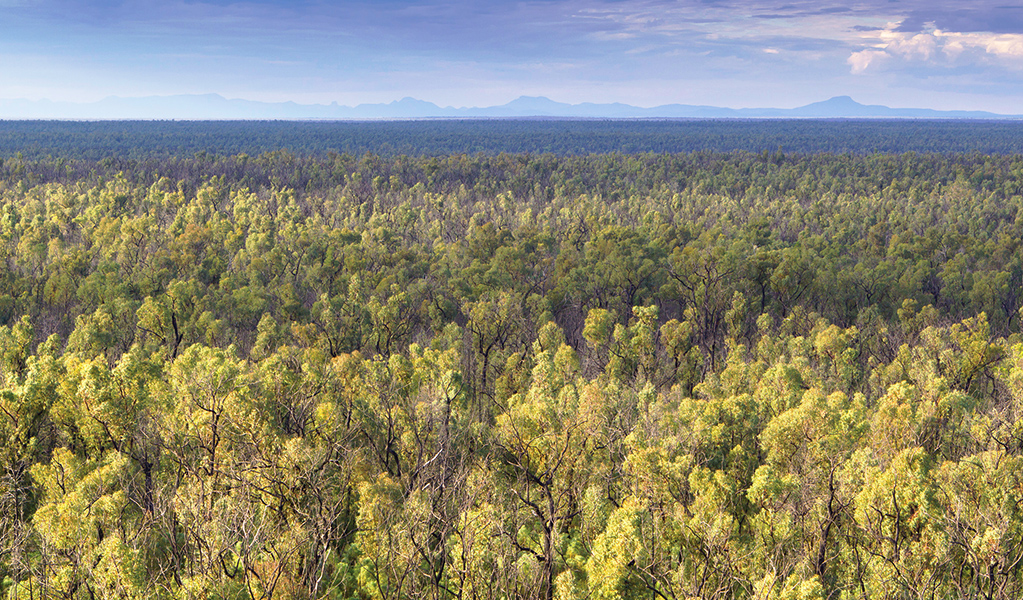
x=542, y=441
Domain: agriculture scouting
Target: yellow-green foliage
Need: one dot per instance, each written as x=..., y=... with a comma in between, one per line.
x=501, y=377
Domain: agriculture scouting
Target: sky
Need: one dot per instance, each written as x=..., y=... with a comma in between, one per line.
x=764, y=53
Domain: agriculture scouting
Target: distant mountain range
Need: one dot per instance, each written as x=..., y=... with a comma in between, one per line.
x=214, y=106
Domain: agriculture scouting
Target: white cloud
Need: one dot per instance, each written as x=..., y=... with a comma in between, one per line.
x=859, y=61
x=920, y=45
x=1005, y=44
x=612, y=37
x=928, y=45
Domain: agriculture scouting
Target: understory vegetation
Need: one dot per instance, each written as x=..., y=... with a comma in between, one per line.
x=702, y=375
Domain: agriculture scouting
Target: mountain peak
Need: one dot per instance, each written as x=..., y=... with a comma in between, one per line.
x=534, y=101
x=840, y=106
x=409, y=101
x=837, y=102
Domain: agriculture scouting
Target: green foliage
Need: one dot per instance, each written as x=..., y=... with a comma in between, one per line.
x=512, y=376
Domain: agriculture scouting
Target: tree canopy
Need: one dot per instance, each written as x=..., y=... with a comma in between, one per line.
x=698, y=375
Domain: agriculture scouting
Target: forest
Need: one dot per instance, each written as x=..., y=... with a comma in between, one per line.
x=765, y=374
x=97, y=140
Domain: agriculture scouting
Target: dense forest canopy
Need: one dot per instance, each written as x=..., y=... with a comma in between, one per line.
x=770, y=374
x=162, y=139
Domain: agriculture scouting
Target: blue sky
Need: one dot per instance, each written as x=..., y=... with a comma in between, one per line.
x=778, y=53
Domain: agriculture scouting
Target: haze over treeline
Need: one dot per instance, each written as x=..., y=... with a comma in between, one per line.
x=214, y=106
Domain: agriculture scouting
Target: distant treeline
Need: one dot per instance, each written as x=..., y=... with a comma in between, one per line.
x=149, y=139
x=612, y=177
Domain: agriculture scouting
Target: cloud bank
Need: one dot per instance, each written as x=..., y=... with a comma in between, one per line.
x=937, y=46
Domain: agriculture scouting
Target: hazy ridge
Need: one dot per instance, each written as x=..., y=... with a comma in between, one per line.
x=214, y=106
